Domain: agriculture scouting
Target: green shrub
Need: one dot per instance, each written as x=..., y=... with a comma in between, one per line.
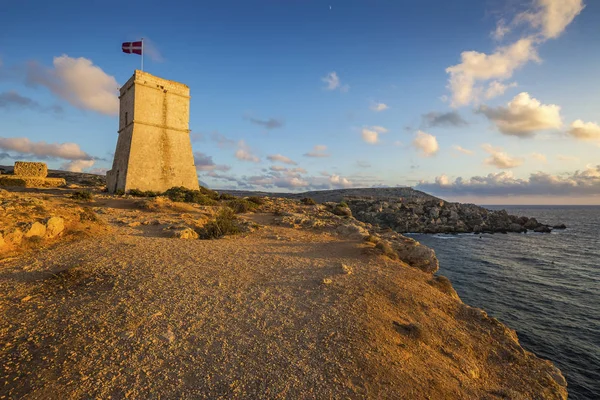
x=223, y=224
x=119, y=192
x=256, y=200
x=211, y=194
x=227, y=196
x=240, y=206
x=307, y=201
x=182, y=194
x=88, y=215
x=343, y=204
x=82, y=195
x=387, y=250
x=342, y=211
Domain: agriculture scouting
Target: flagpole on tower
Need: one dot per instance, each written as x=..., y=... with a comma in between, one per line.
x=142, y=54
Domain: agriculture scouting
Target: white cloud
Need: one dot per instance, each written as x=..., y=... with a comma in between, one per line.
x=292, y=179
x=78, y=81
x=338, y=181
x=333, y=82
x=447, y=119
x=290, y=182
x=97, y=171
x=523, y=116
x=578, y=183
x=271, y=123
x=539, y=157
x=426, y=143
x=318, y=151
x=500, y=159
x=69, y=151
x=151, y=50
x=442, y=180
x=462, y=150
x=371, y=134
x=496, y=88
x=277, y=168
x=205, y=162
x=297, y=170
x=501, y=30
x=223, y=142
x=282, y=159
x=244, y=153
x=584, y=130
x=562, y=157
x=480, y=67
x=548, y=18
x=378, y=107
x=552, y=17
x=77, y=165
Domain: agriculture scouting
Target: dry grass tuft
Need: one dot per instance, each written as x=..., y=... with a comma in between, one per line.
x=387, y=250
x=84, y=195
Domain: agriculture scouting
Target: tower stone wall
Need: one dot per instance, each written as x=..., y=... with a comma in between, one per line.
x=154, y=151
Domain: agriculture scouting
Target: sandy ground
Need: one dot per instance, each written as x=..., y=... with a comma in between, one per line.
x=270, y=314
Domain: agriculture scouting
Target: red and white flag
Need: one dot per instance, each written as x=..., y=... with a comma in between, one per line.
x=132, y=47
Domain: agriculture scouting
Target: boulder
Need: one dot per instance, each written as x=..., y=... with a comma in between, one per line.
x=35, y=229
x=531, y=223
x=543, y=229
x=561, y=226
x=184, y=233
x=54, y=226
x=514, y=227
x=415, y=254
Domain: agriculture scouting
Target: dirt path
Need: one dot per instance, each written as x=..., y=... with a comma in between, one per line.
x=130, y=315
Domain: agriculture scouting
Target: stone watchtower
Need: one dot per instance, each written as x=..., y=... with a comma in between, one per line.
x=154, y=151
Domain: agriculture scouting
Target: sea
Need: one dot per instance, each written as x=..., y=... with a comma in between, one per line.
x=545, y=286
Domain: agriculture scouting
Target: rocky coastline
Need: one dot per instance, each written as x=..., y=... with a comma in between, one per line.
x=406, y=210
x=439, y=216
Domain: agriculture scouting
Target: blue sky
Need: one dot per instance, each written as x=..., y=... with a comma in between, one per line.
x=367, y=81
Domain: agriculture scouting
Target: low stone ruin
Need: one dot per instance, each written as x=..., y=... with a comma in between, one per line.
x=30, y=174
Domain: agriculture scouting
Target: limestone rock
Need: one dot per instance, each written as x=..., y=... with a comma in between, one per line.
x=54, y=226
x=31, y=169
x=35, y=229
x=420, y=215
x=415, y=254
x=184, y=233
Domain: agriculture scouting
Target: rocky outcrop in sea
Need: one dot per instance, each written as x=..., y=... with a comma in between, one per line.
x=432, y=215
